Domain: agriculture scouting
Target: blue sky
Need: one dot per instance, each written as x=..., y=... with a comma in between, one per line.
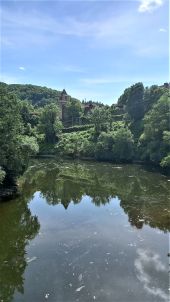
x=93, y=49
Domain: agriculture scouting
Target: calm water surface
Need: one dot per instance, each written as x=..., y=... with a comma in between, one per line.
x=86, y=232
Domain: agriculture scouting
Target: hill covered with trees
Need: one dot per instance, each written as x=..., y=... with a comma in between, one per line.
x=136, y=128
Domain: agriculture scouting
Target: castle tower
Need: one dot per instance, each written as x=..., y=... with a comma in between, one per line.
x=64, y=98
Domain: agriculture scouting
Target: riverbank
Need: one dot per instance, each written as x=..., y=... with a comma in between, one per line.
x=147, y=165
x=8, y=193
x=11, y=192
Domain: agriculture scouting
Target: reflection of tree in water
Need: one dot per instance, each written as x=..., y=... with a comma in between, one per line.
x=17, y=226
x=140, y=212
x=143, y=195
x=147, y=201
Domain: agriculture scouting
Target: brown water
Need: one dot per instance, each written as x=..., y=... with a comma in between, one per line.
x=86, y=232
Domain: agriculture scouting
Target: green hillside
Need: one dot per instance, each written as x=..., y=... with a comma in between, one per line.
x=40, y=120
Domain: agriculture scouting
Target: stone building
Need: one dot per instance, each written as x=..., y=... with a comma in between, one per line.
x=63, y=100
x=88, y=107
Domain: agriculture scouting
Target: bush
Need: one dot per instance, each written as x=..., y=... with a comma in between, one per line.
x=123, y=147
x=77, y=128
x=103, y=150
x=115, y=146
x=71, y=144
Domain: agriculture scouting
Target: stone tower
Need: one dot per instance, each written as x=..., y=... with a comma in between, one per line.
x=63, y=100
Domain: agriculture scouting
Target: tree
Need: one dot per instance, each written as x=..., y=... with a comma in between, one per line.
x=15, y=148
x=115, y=146
x=101, y=118
x=29, y=114
x=152, y=95
x=165, y=162
x=50, y=123
x=88, y=148
x=154, y=141
x=73, y=111
x=36, y=95
x=123, y=147
x=103, y=150
x=122, y=100
x=132, y=99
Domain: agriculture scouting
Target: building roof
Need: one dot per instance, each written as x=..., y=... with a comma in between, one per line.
x=63, y=92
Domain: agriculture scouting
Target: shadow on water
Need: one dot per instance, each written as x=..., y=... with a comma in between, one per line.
x=17, y=227
x=143, y=195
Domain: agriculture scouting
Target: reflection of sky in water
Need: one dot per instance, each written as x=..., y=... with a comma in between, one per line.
x=87, y=253
x=152, y=273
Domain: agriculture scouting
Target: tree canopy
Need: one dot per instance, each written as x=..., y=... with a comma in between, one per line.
x=50, y=123
x=155, y=140
x=15, y=146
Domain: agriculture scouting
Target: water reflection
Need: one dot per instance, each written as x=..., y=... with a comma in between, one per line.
x=17, y=227
x=144, y=195
x=87, y=243
x=150, y=271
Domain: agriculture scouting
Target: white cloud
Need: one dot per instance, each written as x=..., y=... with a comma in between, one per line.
x=150, y=269
x=22, y=68
x=33, y=27
x=163, y=30
x=68, y=26
x=149, y=5
x=24, y=29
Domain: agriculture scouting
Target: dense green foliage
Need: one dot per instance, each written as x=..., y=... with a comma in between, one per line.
x=133, y=100
x=15, y=146
x=101, y=118
x=50, y=124
x=116, y=145
x=72, y=144
x=136, y=128
x=155, y=140
x=36, y=95
x=142, y=132
x=73, y=112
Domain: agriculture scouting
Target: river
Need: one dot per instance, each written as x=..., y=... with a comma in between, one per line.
x=85, y=231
